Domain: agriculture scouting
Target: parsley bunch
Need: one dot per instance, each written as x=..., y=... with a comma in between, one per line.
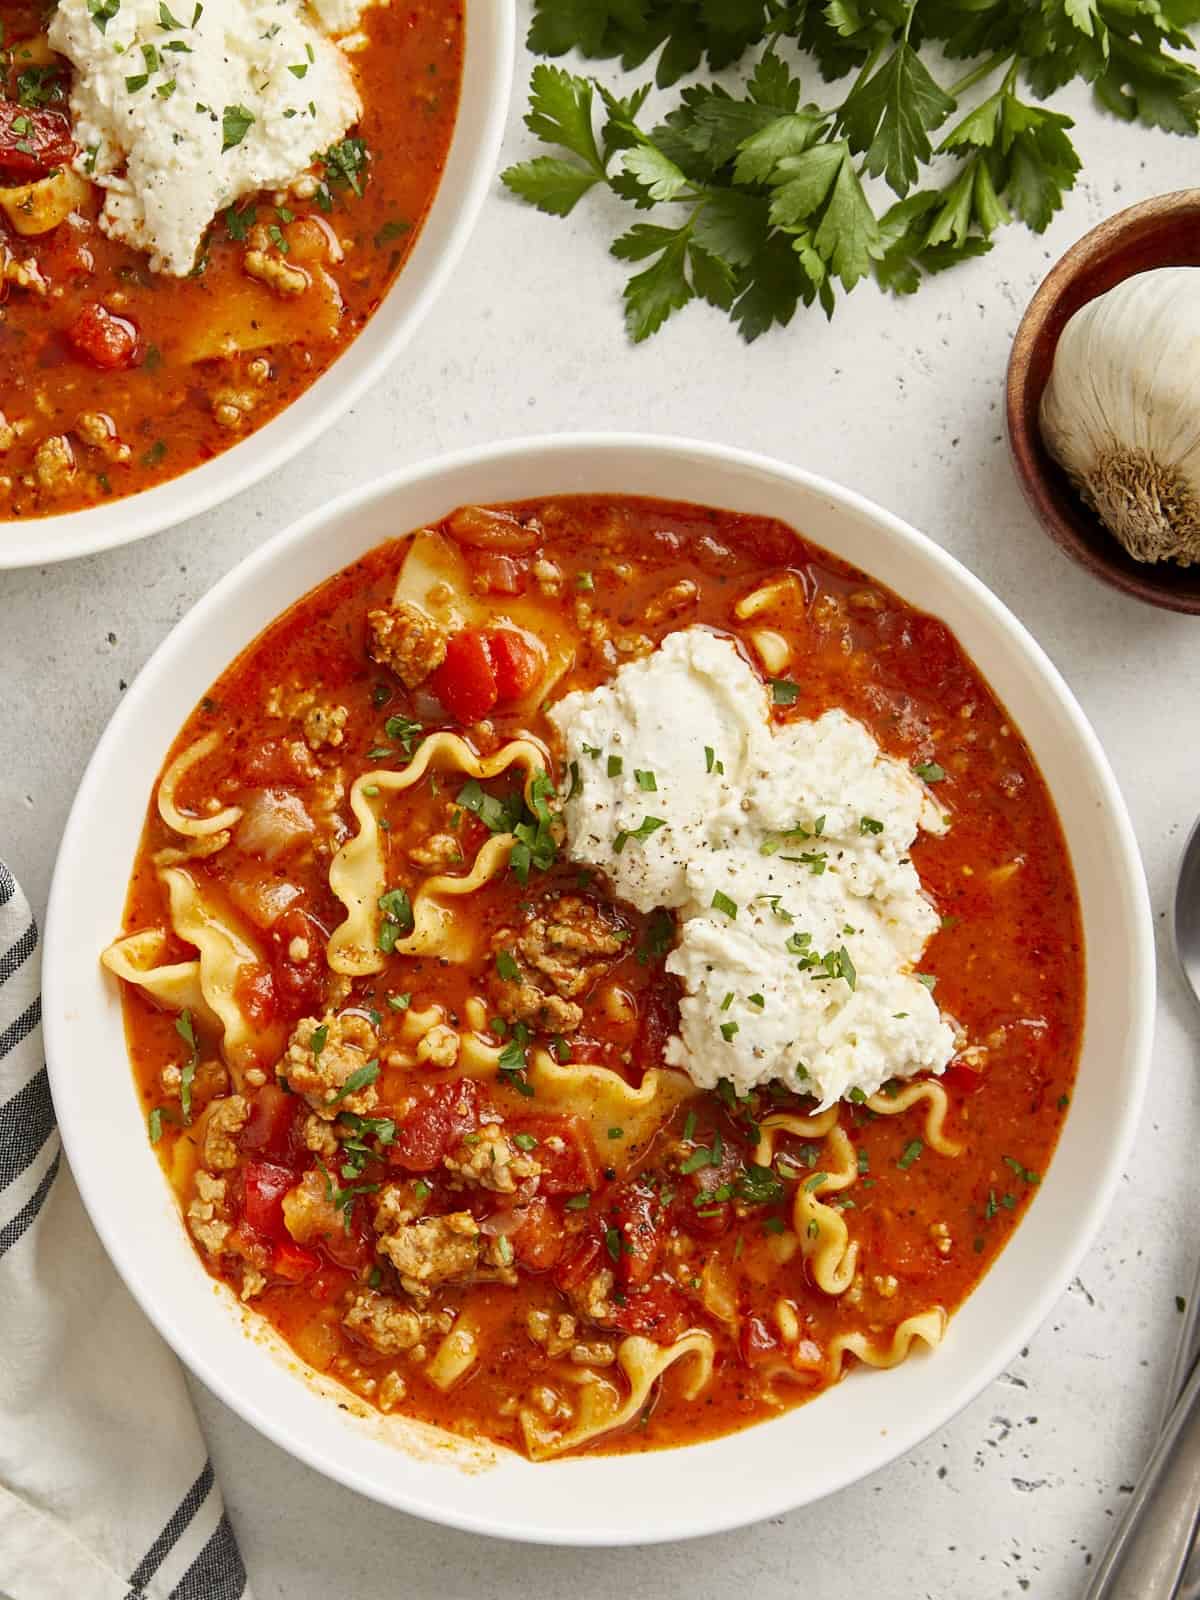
x=761, y=192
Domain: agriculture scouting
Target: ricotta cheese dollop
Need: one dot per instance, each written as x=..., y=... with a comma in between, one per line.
x=180, y=110
x=785, y=855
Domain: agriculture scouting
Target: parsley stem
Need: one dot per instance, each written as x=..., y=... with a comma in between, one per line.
x=983, y=70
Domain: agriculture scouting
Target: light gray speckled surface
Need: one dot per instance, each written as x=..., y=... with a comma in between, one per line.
x=903, y=402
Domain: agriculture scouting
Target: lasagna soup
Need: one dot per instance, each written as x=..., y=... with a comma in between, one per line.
x=598, y=971
x=200, y=206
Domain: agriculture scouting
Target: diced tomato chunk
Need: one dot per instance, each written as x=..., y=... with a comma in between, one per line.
x=329, y=1284
x=703, y=1200
x=659, y=1311
x=499, y=574
x=538, y=1242
x=465, y=682
x=254, y=991
x=444, y=1114
x=272, y=1119
x=583, y=1260
x=565, y=1151
x=32, y=142
x=517, y=665
x=264, y=1186
x=641, y=1223
x=962, y=1078
x=108, y=342
x=299, y=978
x=350, y=1249
x=658, y=1019
x=293, y=1261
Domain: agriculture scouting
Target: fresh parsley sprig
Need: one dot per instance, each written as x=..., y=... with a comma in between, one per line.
x=763, y=192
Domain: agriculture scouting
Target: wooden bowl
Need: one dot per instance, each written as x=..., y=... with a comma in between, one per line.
x=1163, y=232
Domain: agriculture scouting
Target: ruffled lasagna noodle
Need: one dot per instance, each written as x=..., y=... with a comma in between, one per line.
x=357, y=874
x=418, y=1046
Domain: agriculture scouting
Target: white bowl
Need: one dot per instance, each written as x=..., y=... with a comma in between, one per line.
x=470, y=170
x=854, y=1428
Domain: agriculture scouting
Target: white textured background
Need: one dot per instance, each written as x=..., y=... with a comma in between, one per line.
x=903, y=401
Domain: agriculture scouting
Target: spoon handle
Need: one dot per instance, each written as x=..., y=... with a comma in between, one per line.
x=1149, y=1552
x=1187, y=1350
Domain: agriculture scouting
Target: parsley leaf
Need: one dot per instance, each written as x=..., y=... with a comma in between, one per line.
x=235, y=125
x=757, y=197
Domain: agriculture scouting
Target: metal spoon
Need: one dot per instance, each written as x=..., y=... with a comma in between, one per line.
x=1149, y=1551
x=1186, y=928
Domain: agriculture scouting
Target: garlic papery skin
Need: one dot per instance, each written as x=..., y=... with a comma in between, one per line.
x=1121, y=412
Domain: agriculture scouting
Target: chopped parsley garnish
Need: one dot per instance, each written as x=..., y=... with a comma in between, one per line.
x=403, y=730
x=784, y=692
x=1022, y=1171
x=756, y=1000
x=361, y=1078
x=319, y=1037
x=703, y=1157
x=612, y=1242
x=525, y=1141
x=102, y=12
x=39, y=86
x=722, y=902
x=154, y=1124
x=870, y=825
x=660, y=935
x=187, y=1032
x=579, y=1202
x=644, y=829
x=514, y=1059
x=616, y=1133
x=343, y=1199
x=930, y=771
x=615, y=766
x=346, y=164
x=711, y=764
x=585, y=582
x=507, y=968
x=397, y=922
x=757, y=1186
x=235, y=125
x=646, y=781
x=912, y=1152
x=728, y=1029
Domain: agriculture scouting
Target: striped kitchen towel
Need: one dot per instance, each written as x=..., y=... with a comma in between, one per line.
x=106, y=1492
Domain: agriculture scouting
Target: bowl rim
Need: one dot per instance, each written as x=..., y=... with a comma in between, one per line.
x=487, y=81
x=1146, y=582
x=777, y=1497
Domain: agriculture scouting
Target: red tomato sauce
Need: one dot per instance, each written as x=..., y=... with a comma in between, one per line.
x=700, y=1242
x=117, y=378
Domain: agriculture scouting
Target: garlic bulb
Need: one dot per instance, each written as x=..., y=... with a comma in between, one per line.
x=1121, y=412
